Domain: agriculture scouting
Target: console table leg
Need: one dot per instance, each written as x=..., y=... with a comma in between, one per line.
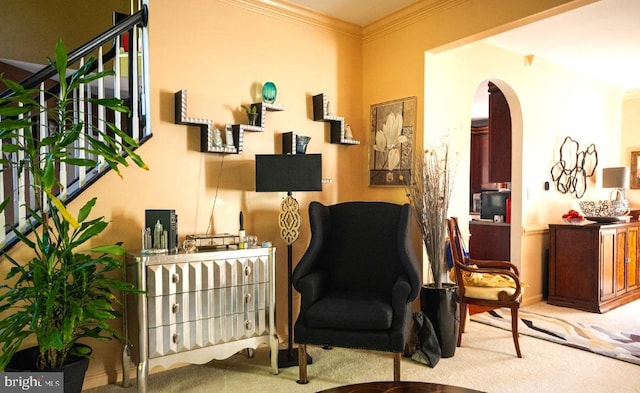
x=143, y=371
x=274, y=345
x=126, y=363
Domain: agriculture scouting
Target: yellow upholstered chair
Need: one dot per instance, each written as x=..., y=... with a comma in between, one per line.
x=485, y=283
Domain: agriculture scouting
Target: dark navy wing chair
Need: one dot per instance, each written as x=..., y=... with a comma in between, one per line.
x=357, y=279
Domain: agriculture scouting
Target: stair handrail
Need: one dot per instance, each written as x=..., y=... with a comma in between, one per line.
x=48, y=71
x=122, y=23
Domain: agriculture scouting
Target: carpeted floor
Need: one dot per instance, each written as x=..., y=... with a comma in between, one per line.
x=486, y=362
x=611, y=342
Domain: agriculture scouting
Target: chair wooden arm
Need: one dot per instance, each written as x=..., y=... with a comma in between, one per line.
x=486, y=263
x=503, y=296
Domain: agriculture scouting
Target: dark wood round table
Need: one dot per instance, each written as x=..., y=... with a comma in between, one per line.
x=399, y=387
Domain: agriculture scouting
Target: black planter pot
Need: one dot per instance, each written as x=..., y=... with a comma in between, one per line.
x=440, y=305
x=74, y=370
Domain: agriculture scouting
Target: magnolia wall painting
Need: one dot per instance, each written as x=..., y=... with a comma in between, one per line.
x=392, y=137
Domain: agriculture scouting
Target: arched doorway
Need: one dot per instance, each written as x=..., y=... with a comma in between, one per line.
x=451, y=79
x=490, y=174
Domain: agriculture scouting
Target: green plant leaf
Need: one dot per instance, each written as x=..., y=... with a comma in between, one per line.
x=62, y=209
x=85, y=162
x=49, y=176
x=18, y=90
x=61, y=65
x=23, y=238
x=10, y=148
x=112, y=103
x=136, y=158
x=92, y=231
x=126, y=139
x=90, y=77
x=112, y=249
x=71, y=136
x=9, y=124
x=13, y=111
x=4, y=203
x=86, y=209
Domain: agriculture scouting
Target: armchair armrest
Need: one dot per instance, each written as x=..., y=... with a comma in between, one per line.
x=500, y=271
x=486, y=263
x=311, y=287
x=401, y=296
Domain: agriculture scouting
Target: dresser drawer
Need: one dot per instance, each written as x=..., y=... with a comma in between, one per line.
x=166, y=279
x=180, y=337
x=191, y=306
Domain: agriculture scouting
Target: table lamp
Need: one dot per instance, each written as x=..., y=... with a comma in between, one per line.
x=618, y=178
x=288, y=173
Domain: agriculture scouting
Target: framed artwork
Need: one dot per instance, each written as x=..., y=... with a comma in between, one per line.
x=635, y=170
x=392, y=138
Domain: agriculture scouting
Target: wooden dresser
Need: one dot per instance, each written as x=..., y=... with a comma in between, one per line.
x=594, y=267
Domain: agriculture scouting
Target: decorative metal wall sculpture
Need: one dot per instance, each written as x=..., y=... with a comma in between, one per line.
x=570, y=173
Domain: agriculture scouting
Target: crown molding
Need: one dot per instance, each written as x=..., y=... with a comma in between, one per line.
x=406, y=17
x=396, y=21
x=293, y=13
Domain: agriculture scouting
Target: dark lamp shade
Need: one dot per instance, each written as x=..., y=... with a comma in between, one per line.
x=617, y=177
x=288, y=172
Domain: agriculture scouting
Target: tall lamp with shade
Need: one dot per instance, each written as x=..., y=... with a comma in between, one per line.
x=617, y=178
x=289, y=173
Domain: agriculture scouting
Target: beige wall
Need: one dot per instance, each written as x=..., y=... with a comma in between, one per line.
x=220, y=50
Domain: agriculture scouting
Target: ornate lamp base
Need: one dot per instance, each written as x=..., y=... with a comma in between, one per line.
x=289, y=222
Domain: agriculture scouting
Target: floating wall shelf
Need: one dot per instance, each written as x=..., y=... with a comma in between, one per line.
x=321, y=113
x=207, y=144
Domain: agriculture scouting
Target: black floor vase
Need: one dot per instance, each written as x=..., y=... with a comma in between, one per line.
x=74, y=371
x=440, y=305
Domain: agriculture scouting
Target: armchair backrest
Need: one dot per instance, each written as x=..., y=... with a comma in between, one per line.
x=456, y=244
x=363, y=245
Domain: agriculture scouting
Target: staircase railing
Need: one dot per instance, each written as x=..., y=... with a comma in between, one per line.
x=124, y=49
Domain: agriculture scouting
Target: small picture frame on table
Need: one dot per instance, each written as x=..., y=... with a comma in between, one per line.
x=634, y=182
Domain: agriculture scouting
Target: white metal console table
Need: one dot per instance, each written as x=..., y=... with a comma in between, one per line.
x=198, y=307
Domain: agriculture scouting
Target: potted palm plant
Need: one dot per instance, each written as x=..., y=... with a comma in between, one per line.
x=429, y=191
x=65, y=291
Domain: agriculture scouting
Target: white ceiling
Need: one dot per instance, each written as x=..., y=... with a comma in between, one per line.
x=601, y=39
x=359, y=12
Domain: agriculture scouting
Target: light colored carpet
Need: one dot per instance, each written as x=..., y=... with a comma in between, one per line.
x=486, y=361
x=611, y=341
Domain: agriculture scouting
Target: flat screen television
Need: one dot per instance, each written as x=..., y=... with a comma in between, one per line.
x=493, y=203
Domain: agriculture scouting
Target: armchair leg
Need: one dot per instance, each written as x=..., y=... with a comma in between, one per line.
x=302, y=363
x=396, y=366
x=514, y=329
